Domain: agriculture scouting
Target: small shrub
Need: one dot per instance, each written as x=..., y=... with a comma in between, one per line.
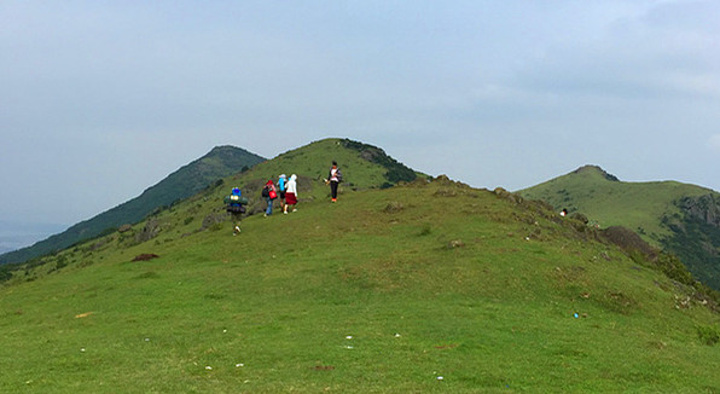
x=5, y=273
x=60, y=264
x=393, y=207
x=708, y=335
x=425, y=230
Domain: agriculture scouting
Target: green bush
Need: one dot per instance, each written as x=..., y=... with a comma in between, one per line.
x=671, y=266
x=708, y=335
x=5, y=273
x=61, y=262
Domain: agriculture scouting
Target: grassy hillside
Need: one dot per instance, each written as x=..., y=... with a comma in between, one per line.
x=422, y=287
x=183, y=183
x=611, y=202
x=670, y=215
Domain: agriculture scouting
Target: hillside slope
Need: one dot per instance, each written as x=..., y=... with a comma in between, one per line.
x=183, y=183
x=426, y=286
x=682, y=218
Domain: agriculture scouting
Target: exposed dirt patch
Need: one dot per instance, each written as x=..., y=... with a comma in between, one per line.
x=145, y=257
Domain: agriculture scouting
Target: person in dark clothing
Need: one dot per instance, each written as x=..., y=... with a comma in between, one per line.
x=334, y=179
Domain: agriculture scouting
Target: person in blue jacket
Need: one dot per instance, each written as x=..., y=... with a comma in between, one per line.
x=282, y=188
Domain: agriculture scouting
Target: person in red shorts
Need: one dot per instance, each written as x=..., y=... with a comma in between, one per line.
x=291, y=194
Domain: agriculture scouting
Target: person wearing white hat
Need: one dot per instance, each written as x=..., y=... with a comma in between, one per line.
x=291, y=194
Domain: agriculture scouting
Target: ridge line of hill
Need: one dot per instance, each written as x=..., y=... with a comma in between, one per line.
x=189, y=179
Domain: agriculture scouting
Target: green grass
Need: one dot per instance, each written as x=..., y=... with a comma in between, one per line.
x=385, y=291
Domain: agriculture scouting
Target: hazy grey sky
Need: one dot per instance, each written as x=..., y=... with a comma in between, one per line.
x=101, y=99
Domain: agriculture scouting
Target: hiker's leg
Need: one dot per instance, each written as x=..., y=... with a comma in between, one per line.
x=334, y=189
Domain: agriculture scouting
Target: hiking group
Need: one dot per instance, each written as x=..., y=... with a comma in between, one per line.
x=285, y=190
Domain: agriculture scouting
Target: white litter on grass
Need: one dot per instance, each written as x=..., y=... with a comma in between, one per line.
x=147, y=339
x=348, y=347
x=348, y=337
x=397, y=335
x=82, y=349
x=440, y=378
x=209, y=368
x=224, y=331
x=239, y=365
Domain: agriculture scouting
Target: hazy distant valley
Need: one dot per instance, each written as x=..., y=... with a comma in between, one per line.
x=15, y=235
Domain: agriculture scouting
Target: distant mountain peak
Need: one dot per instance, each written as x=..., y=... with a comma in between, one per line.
x=225, y=148
x=220, y=162
x=591, y=168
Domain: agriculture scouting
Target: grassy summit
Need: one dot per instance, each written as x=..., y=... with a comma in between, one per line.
x=604, y=198
x=422, y=287
x=681, y=218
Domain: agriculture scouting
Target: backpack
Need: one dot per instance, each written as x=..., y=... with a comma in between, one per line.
x=235, y=208
x=235, y=202
x=265, y=192
x=338, y=174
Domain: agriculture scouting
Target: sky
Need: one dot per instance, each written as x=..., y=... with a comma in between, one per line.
x=100, y=100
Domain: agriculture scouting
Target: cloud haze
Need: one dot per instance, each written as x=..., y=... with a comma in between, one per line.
x=100, y=100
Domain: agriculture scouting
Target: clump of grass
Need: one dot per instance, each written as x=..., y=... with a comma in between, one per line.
x=394, y=207
x=148, y=275
x=619, y=302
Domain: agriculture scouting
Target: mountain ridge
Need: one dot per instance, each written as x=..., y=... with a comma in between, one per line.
x=182, y=183
x=678, y=217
